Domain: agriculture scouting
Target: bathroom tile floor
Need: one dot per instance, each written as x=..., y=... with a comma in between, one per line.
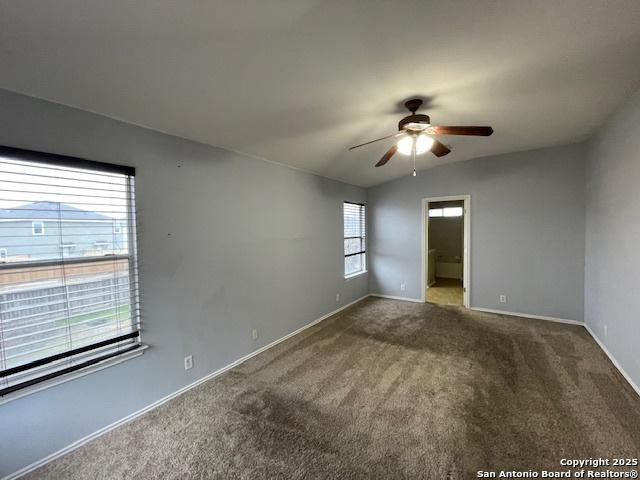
x=446, y=291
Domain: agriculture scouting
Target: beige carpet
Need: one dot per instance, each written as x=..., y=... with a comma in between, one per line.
x=387, y=390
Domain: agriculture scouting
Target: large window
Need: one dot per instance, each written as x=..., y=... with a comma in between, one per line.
x=355, y=256
x=68, y=274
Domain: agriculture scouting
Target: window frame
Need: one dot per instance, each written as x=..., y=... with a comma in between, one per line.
x=363, y=240
x=33, y=227
x=93, y=356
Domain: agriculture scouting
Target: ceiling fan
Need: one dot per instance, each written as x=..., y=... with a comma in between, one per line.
x=415, y=133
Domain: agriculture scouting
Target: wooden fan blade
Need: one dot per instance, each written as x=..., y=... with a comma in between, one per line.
x=385, y=158
x=470, y=130
x=439, y=149
x=377, y=140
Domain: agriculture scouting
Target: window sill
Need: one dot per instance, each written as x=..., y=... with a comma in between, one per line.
x=354, y=275
x=73, y=375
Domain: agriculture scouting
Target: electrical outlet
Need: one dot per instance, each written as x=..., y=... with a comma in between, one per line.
x=337, y=297
x=503, y=299
x=403, y=287
x=188, y=362
x=254, y=333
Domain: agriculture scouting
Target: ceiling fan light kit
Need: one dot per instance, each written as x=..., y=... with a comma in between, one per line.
x=421, y=142
x=416, y=135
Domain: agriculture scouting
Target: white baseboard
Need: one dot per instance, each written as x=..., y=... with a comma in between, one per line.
x=391, y=297
x=128, y=418
x=613, y=359
x=527, y=315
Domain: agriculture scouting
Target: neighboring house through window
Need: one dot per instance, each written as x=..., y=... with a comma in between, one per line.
x=355, y=256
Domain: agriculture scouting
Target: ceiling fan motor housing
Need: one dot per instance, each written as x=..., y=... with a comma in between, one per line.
x=417, y=121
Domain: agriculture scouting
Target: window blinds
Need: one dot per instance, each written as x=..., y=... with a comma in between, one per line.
x=354, y=238
x=68, y=273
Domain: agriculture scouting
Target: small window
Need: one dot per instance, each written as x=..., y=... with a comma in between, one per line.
x=37, y=228
x=453, y=212
x=3, y=255
x=355, y=256
x=446, y=212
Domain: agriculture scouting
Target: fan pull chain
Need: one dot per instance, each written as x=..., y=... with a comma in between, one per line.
x=414, y=158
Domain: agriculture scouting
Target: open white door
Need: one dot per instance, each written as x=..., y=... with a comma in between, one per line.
x=466, y=272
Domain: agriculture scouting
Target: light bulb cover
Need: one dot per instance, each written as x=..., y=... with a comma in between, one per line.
x=423, y=143
x=405, y=145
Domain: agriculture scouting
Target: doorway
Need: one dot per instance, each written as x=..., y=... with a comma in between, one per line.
x=445, y=250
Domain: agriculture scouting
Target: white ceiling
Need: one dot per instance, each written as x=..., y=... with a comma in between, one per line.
x=299, y=81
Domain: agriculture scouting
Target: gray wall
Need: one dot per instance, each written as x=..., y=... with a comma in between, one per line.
x=527, y=230
x=612, y=274
x=227, y=243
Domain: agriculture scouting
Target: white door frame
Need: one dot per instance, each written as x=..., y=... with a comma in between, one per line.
x=466, y=262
